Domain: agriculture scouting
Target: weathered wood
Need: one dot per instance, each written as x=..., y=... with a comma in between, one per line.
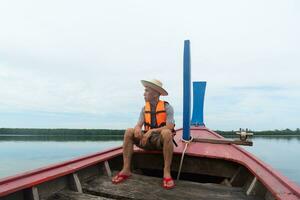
x=50, y=187
x=90, y=172
x=35, y=193
x=76, y=183
x=259, y=190
x=17, y=195
x=252, y=185
x=242, y=178
x=192, y=165
x=226, y=182
x=107, y=168
x=148, y=188
x=235, y=175
x=269, y=196
x=70, y=195
x=223, y=141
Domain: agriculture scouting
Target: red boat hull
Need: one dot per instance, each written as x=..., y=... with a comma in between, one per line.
x=279, y=186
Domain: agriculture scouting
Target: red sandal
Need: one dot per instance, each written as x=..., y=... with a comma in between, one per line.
x=119, y=178
x=166, y=181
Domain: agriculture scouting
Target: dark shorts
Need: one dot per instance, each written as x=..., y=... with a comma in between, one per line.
x=155, y=142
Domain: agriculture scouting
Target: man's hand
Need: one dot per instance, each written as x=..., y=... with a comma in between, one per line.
x=138, y=132
x=146, y=137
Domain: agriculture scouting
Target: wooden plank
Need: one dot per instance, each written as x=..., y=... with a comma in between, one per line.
x=233, y=178
x=35, y=193
x=148, y=188
x=223, y=141
x=107, y=168
x=193, y=165
x=53, y=186
x=76, y=183
x=269, y=196
x=226, y=182
x=70, y=195
x=252, y=185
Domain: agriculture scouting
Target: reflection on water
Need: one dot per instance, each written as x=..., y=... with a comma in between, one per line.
x=60, y=138
x=282, y=153
x=21, y=153
x=283, y=137
x=278, y=137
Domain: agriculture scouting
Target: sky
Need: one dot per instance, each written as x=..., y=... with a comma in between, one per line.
x=78, y=64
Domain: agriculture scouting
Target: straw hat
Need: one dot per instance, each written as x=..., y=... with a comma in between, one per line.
x=155, y=85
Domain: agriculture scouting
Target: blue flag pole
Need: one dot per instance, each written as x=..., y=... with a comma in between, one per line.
x=186, y=91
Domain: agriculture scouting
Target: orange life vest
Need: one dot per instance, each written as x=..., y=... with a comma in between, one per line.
x=160, y=115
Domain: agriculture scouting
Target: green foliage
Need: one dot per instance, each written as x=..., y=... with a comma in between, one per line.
x=61, y=132
x=267, y=132
x=61, y=137
x=117, y=133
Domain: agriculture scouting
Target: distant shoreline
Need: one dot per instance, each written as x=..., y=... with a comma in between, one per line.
x=285, y=132
x=120, y=132
x=60, y=132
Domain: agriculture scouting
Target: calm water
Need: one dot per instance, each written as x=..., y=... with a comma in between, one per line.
x=18, y=154
x=282, y=153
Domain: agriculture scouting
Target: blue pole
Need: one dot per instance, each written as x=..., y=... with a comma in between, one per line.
x=198, y=103
x=186, y=91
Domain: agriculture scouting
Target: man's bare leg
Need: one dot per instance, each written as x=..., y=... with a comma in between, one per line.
x=127, y=153
x=168, y=153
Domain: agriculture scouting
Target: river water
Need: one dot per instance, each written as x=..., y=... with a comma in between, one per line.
x=22, y=153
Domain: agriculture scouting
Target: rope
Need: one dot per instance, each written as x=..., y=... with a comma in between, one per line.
x=187, y=142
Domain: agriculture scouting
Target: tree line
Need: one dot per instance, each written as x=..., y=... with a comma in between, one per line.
x=119, y=132
x=267, y=132
x=61, y=132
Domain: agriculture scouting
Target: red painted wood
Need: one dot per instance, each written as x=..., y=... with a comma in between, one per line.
x=280, y=186
x=28, y=179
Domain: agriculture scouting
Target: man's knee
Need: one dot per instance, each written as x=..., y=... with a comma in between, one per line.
x=129, y=133
x=166, y=135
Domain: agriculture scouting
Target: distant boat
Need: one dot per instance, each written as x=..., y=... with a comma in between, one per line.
x=208, y=167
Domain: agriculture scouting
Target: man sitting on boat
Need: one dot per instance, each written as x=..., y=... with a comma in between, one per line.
x=157, y=117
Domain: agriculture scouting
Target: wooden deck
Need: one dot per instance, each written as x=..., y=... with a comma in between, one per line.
x=70, y=195
x=149, y=188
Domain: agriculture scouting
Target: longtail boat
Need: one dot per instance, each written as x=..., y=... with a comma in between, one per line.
x=207, y=166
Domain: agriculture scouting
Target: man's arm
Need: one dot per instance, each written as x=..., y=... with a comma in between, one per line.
x=169, y=126
x=145, y=137
x=139, y=125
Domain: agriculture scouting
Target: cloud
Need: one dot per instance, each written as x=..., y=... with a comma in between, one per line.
x=83, y=61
